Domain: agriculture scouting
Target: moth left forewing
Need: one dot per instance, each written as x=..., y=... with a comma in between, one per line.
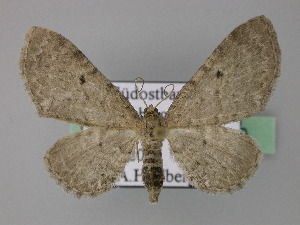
x=65, y=85
x=89, y=162
x=214, y=159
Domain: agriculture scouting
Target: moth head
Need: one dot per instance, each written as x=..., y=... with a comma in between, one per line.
x=151, y=110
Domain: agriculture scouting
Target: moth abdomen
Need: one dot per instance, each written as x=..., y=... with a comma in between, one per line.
x=152, y=171
x=152, y=177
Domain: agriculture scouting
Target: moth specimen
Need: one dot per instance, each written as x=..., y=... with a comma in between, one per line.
x=235, y=82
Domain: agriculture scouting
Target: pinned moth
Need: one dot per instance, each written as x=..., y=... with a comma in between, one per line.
x=235, y=82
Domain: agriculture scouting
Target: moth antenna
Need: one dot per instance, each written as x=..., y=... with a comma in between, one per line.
x=139, y=91
x=167, y=96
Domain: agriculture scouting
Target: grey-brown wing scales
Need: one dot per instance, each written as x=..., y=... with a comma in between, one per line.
x=235, y=82
x=89, y=162
x=65, y=85
x=215, y=159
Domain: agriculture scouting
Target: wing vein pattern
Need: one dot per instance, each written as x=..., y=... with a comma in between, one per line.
x=215, y=159
x=88, y=163
x=235, y=82
x=65, y=85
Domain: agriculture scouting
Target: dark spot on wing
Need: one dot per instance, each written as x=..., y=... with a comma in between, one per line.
x=82, y=79
x=219, y=74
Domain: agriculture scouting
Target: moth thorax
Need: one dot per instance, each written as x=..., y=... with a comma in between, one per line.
x=153, y=124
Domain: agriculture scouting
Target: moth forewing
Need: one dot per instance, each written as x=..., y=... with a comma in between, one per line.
x=235, y=82
x=65, y=85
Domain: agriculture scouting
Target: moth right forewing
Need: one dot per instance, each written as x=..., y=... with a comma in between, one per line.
x=65, y=85
x=235, y=82
x=89, y=162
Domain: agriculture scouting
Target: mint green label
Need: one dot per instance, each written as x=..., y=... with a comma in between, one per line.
x=263, y=130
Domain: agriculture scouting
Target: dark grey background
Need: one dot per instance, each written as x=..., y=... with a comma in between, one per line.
x=159, y=41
